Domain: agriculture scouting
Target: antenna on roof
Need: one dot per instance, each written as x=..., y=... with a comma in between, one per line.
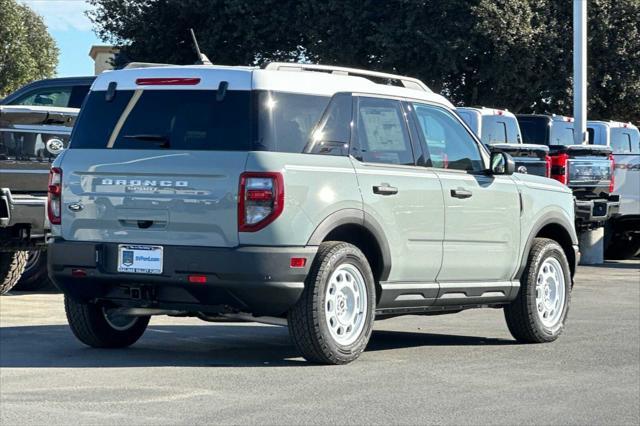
x=202, y=58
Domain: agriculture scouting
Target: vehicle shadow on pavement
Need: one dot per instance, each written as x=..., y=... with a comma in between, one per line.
x=612, y=264
x=245, y=345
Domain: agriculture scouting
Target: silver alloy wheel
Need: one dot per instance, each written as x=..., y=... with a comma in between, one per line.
x=117, y=321
x=345, y=307
x=32, y=259
x=550, y=292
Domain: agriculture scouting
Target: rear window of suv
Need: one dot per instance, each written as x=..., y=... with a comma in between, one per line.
x=197, y=120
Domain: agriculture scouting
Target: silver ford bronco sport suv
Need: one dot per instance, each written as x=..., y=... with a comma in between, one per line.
x=310, y=196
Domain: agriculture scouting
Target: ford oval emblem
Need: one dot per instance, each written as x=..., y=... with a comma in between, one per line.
x=54, y=146
x=75, y=207
x=522, y=169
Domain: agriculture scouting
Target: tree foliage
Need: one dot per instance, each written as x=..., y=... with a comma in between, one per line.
x=27, y=51
x=504, y=53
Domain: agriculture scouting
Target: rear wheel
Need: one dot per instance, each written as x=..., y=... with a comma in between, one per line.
x=333, y=320
x=12, y=265
x=103, y=327
x=622, y=249
x=540, y=310
x=35, y=276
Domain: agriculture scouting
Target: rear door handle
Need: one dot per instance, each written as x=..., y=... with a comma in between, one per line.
x=461, y=193
x=385, y=189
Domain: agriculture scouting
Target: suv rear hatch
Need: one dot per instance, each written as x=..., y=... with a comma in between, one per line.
x=157, y=160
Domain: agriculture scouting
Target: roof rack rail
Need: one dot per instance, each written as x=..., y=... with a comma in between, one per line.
x=408, y=82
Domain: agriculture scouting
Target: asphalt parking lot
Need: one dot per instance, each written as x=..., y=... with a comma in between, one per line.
x=455, y=369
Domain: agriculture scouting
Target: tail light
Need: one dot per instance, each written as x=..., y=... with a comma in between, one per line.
x=547, y=170
x=560, y=168
x=613, y=169
x=54, y=198
x=260, y=200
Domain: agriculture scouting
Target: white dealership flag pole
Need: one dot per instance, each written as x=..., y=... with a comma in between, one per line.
x=580, y=71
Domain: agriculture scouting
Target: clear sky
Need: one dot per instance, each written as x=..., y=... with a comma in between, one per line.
x=72, y=31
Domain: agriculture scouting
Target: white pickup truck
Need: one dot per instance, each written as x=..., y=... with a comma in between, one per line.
x=623, y=229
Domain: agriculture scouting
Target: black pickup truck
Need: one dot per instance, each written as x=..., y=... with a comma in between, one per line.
x=586, y=169
x=498, y=129
x=30, y=138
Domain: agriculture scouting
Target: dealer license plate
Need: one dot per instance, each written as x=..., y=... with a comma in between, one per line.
x=140, y=259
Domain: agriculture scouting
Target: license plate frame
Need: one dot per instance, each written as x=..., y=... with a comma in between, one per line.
x=132, y=262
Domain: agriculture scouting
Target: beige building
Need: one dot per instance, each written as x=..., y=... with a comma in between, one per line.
x=102, y=56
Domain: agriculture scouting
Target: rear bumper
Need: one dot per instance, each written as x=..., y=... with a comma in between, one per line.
x=596, y=212
x=23, y=222
x=258, y=280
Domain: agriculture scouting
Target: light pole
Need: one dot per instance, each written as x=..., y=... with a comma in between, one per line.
x=580, y=71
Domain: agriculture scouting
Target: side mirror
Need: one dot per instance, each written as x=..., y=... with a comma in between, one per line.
x=502, y=164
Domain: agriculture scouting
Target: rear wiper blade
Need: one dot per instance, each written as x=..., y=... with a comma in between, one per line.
x=150, y=138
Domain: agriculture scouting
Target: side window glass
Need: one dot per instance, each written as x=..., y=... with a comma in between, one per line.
x=382, y=132
x=450, y=145
x=333, y=133
x=78, y=93
x=55, y=97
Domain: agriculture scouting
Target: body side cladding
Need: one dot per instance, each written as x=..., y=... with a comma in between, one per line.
x=359, y=218
x=553, y=219
x=411, y=297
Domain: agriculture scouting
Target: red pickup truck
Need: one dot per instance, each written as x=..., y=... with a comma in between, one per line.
x=586, y=169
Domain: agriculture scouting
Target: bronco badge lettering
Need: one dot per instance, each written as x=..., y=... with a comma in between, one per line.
x=151, y=183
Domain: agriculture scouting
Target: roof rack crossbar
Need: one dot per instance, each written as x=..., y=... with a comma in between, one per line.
x=408, y=82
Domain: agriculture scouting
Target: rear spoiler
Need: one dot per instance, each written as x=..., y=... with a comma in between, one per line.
x=131, y=65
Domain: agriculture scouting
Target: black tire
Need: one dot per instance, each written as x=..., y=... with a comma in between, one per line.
x=307, y=319
x=622, y=249
x=89, y=325
x=521, y=315
x=35, y=275
x=11, y=266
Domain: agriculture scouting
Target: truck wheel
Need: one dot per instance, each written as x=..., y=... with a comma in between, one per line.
x=11, y=266
x=540, y=310
x=622, y=249
x=333, y=320
x=35, y=276
x=100, y=327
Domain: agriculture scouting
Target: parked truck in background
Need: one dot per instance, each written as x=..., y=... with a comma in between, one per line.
x=66, y=92
x=35, y=119
x=30, y=138
x=622, y=233
x=498, y=129
x=586, y=169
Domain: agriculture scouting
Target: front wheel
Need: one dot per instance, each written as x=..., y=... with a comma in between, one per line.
x=333, y=320
x=540, y=310
x=102, y=327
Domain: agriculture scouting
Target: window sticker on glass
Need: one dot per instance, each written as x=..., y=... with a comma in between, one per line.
x=383, y=129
